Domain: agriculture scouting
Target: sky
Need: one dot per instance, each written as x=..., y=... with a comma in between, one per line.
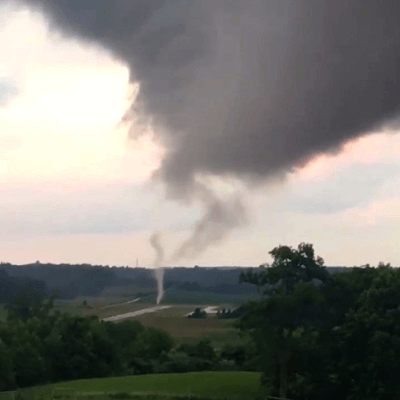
x=77, y=186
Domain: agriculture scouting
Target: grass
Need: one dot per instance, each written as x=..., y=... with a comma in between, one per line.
x=172, y=320
x=116, y=309
x=128, y=292
x=69, y=306
x=217, y=385
x=185, y=329
x=179, y=296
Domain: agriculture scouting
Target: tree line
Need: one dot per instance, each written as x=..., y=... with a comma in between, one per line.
x=70, y=281
x=12, y=287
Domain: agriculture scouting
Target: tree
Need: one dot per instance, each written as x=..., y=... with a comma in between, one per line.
x=202, y=349
x=289, y=267
x=283, y=323
x=366, y=345
x=6, y=371
x=28, y=305
x=29, y=365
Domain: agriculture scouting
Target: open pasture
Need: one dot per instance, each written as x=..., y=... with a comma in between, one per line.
x=130, y=291
x=180, y=296
x=174, y=321
x=204, y=385
x=117, y=309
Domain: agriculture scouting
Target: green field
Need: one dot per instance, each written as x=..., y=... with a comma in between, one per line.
x=128, y=292
x=219, y=385
x=179, y=296
x=174, y=321
x=115, y=309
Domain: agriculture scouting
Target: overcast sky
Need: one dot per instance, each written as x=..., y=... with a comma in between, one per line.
x=75, y=188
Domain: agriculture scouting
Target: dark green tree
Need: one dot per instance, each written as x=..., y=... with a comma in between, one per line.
x=289, y=267
x=286, y=322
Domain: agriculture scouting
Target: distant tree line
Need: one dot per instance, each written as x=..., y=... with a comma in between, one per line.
x=12, y=287
x=221, y=314
x=231, y=314
x=71, y=281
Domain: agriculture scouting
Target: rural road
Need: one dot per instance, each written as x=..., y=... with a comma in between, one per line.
x=136, y=313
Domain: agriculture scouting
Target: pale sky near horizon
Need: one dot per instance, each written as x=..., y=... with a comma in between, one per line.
x=75, y=189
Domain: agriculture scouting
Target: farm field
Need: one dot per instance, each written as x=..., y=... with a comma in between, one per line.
x=174, y=321
x=179, y=296
x=216, y=385
x=106, y=311
x=128, y=292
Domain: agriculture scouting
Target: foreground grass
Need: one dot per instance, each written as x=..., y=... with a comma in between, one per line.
x=217, y=385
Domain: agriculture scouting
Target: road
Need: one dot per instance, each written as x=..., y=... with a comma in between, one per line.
x=136, y=313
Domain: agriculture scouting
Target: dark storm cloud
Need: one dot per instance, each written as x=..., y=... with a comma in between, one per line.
x=247, y=88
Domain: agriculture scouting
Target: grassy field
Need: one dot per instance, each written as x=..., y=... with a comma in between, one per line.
x=217, y=385
x=127, y=292
x=174, y=321
x=116, y=309
x=179, y=296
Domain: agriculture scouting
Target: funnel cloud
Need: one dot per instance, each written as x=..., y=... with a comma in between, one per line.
x=158, y=268
x=245, y=89
x=221, y=216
